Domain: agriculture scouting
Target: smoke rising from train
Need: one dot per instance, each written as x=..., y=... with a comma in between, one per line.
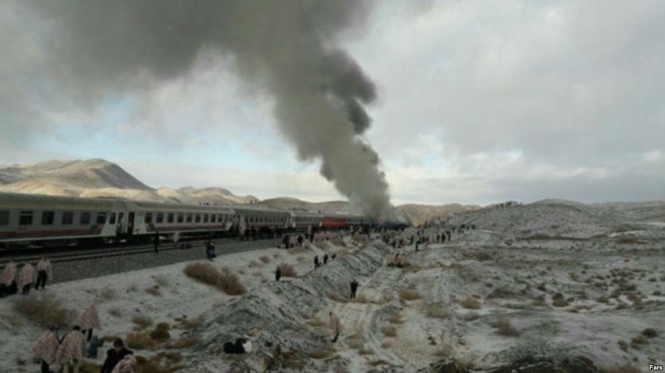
x=287, y=49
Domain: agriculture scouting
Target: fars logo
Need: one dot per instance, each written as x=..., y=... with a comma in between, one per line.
x=655, y=368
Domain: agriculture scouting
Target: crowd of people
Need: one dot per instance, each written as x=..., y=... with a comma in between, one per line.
x=13, y=282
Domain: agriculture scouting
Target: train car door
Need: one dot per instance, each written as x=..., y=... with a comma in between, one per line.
x=130, y=223
x=119, y=223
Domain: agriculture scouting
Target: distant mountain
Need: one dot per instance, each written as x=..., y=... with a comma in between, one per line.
x=99, y=178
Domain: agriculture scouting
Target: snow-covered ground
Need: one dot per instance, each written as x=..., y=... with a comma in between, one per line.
x=553, y=279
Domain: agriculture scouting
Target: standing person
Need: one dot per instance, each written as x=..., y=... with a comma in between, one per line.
x=325, y=258
x=334, y=326
x=71, y=351
x=278, y=274
x=45, y=348
x=354, y=288
x=114, y=355
x=89, y=320
x=8, y=278
x=300, y=240
x=316, y=262
x=156, y=242
x=26, y=278
x=43, y=273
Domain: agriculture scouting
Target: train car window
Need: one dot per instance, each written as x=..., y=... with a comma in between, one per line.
x=189, y=218
x=213, y=218
x=67, y=218
x=112, y=219
x=181, y=218
x=148, y=218
x=48, y=217
x=169, y=218
x=160, y=217
x=101, y=218
x=84, y=219
x=205, y=218
x=197, y=218
x=25, y=218
x=4, y=218
x=220, y=218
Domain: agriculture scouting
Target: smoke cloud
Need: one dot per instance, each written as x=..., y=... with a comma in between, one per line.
x=286, y=49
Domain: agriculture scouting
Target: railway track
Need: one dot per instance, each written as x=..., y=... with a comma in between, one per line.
x=97, y=253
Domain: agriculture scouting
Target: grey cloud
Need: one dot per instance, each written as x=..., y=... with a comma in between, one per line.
x=287, y=50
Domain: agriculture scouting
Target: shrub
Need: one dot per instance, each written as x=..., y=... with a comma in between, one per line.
x=143, y=321
x=386, y=345
x=162, y=280
x=408, y=295
x=190, y=323
x=337, y=297
x=265, y=259
x=287, y=270
x=445, y=351
x=226, y=281
x=437, y=312
x=389, y=331
x=319, y=354
x=154, y=291
x=650, y=333
x=365, y=351
x=470, y=303
x=471, y=316
x=559, y=301
x=504, y=327
x=182, y=343
x=395, y=319
x=140, y=341
x=637, y=341
x=115, y=312
x=108, y=294
x=623, y=345
x=161, y=332
x=45, y=310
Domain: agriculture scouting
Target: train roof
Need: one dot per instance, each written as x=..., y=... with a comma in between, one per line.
x=7, y=198
x=246, y=209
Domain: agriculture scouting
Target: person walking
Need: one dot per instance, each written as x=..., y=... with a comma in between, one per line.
x=46, y=348
x=26, y=278
x=278, y=274
x=325, y=258
x=156, y=242
x=334, y=326
x=70, y=353
x=354, y=288
x=89, y=320
x=316, y=262
x=44, y=273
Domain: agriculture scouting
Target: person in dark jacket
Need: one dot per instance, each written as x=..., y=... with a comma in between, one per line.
x=114, y=355
x=156, y=242
x=354, y=288
x=278, y=274
x=316, y=262
x=325, y=258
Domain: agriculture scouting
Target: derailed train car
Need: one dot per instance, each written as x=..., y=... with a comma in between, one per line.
x=41, y=220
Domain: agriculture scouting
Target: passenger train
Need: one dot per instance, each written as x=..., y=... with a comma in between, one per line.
x=42, y=220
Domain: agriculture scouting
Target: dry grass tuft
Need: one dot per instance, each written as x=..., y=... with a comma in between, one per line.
x=161, y=332
x=365, y=351
x=193, y=323
x=337, y=297
x=636, y=342
x=445, y=351
x=386, y=345
x=182, y=343
x=154, y=291
x=226, y=281
x=108, y=294
x=396, y=319
x=376, y=363
x=389, y=331
x=162, y=280
x=621, y=369
x=287, y=270
x=44, y=309
x=265, y=259
x=650, y=333
x=297, y=250
x=623, y=345
x=470, y=303
x=409, y=295
x=437, y=312
x=319, y=354
x=471, y=316
x=140, y=341
x=504, y=327
x=115, y=312
x=132, y=288
x=143, y=321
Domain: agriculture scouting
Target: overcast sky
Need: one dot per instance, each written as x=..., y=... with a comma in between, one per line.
x=478, y=102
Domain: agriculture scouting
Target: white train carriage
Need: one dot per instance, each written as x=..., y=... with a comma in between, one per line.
x=258, y=218
x=45, y=220
x=146, y=218
x=302, y=220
